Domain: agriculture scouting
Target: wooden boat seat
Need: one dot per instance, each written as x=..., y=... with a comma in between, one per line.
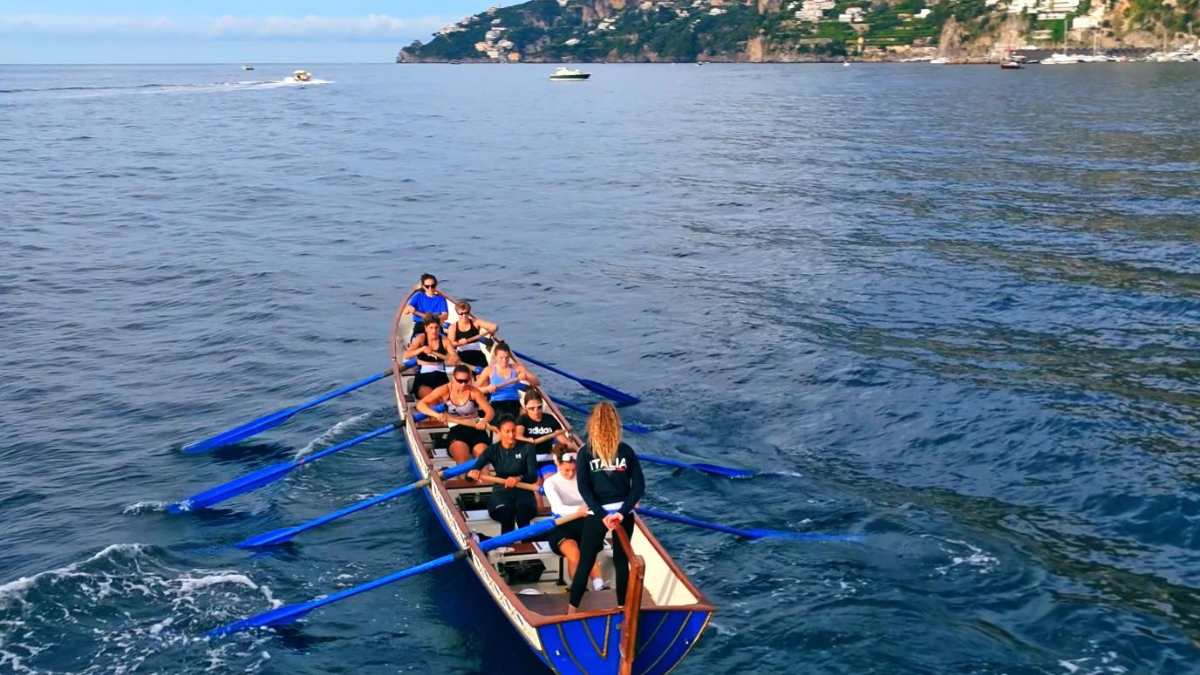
x=555, y=604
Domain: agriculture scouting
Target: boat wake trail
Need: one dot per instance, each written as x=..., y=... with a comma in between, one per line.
x=240, y=85
x=123, y=609
x=329, y=434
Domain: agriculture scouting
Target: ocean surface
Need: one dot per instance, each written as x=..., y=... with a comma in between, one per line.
x=954, y=309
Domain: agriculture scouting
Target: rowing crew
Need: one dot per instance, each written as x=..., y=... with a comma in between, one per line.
x=607, y=487
x=611, y=479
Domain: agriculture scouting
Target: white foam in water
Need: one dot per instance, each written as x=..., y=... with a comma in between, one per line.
x=144, y=507
x=973, y=557
x=329, y=434
x=125, y=610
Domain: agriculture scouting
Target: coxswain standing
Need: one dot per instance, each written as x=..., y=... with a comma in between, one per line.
x=609, y=478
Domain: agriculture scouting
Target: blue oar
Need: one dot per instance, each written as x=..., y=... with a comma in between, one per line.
x=289, y=613
x=615, y=395
x=726, y=471
x=257, y=479
x=632, y=426
x=278, y=417
x=756, y=533
x=285, y=534
x=253, y=481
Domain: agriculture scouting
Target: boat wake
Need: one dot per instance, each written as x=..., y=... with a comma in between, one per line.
x=329, y=434
x=123, y=609
x=240, y=85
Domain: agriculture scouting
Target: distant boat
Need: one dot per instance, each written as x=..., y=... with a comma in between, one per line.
x=845, y=64
x=1010, y=65
x=247, y=67
x=940, y=61
x=1057, y=59
x=302, y=76
x=569, y=74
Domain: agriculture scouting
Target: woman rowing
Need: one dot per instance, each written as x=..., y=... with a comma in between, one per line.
x=466, y=408
x=610, y=478
x=502, y=378
x=563, y=494
x=432, y=352
x=465, y=335
x=515, y=462
x=534, y=426
x=429, y=301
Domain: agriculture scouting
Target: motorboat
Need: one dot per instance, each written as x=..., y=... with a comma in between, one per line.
x=1059, y=59
x=940, y=61
x=302, y=76
x=569, y=74
x=1010, y=65
x=247, y=67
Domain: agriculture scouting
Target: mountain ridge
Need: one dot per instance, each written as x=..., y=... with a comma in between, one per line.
x=623, y=31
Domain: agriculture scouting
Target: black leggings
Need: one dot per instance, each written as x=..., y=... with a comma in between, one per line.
x=507, y=506
x=591, y=545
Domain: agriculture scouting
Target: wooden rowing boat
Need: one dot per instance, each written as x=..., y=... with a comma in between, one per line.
x=526, y=580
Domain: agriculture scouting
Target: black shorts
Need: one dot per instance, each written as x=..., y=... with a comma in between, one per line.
x=473, y=357
x=507, y=408
x=469, y=435
x=572, y=530
x=433, y=380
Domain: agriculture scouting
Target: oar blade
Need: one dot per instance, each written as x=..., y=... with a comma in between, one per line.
x=618, y=397
x=280, y=616
x=728, y=472
x=725, y=471
x=239, y=486
x=241, y=432
x=803, y=536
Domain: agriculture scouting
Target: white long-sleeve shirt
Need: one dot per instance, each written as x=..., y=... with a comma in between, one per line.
x=563, y=494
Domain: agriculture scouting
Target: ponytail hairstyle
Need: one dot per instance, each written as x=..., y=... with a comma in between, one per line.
x=604, y=431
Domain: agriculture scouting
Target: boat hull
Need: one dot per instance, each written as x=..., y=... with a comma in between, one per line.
x=585, y=643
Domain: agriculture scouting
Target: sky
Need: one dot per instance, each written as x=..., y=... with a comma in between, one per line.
x=218, y=31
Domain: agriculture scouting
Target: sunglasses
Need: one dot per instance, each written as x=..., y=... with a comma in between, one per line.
x=462, y=381
x=430, y=285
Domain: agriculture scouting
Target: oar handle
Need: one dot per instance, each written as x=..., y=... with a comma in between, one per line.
x=496, y=480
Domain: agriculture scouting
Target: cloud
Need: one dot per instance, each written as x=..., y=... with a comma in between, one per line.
x=310, y=27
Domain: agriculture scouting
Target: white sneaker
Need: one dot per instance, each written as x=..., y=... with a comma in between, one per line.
x=597, y=584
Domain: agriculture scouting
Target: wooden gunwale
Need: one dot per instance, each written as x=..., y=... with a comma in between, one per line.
x=462, y=532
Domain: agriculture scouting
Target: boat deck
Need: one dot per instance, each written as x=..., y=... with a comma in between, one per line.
x=544, y=593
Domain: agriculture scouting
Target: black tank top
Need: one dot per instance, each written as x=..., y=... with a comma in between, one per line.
x=469, y=333
x=441, y=349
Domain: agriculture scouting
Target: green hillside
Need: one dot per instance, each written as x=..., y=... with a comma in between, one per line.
x=796, y=30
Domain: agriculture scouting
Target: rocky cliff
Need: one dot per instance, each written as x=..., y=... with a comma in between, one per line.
x=548, y=31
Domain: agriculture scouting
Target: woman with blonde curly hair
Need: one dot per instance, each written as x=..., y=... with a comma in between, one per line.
x=610, y=481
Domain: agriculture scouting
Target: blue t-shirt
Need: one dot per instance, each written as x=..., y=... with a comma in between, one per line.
x=423, y=303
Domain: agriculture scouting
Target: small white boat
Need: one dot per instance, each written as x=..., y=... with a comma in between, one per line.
x=302, y=76
x=1058, y=59
x=247, y=67
x=569, y=74
x=940, y=61
x=1010, y=65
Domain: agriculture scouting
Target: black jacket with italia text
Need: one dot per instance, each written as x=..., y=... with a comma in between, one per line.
x=601, y=483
